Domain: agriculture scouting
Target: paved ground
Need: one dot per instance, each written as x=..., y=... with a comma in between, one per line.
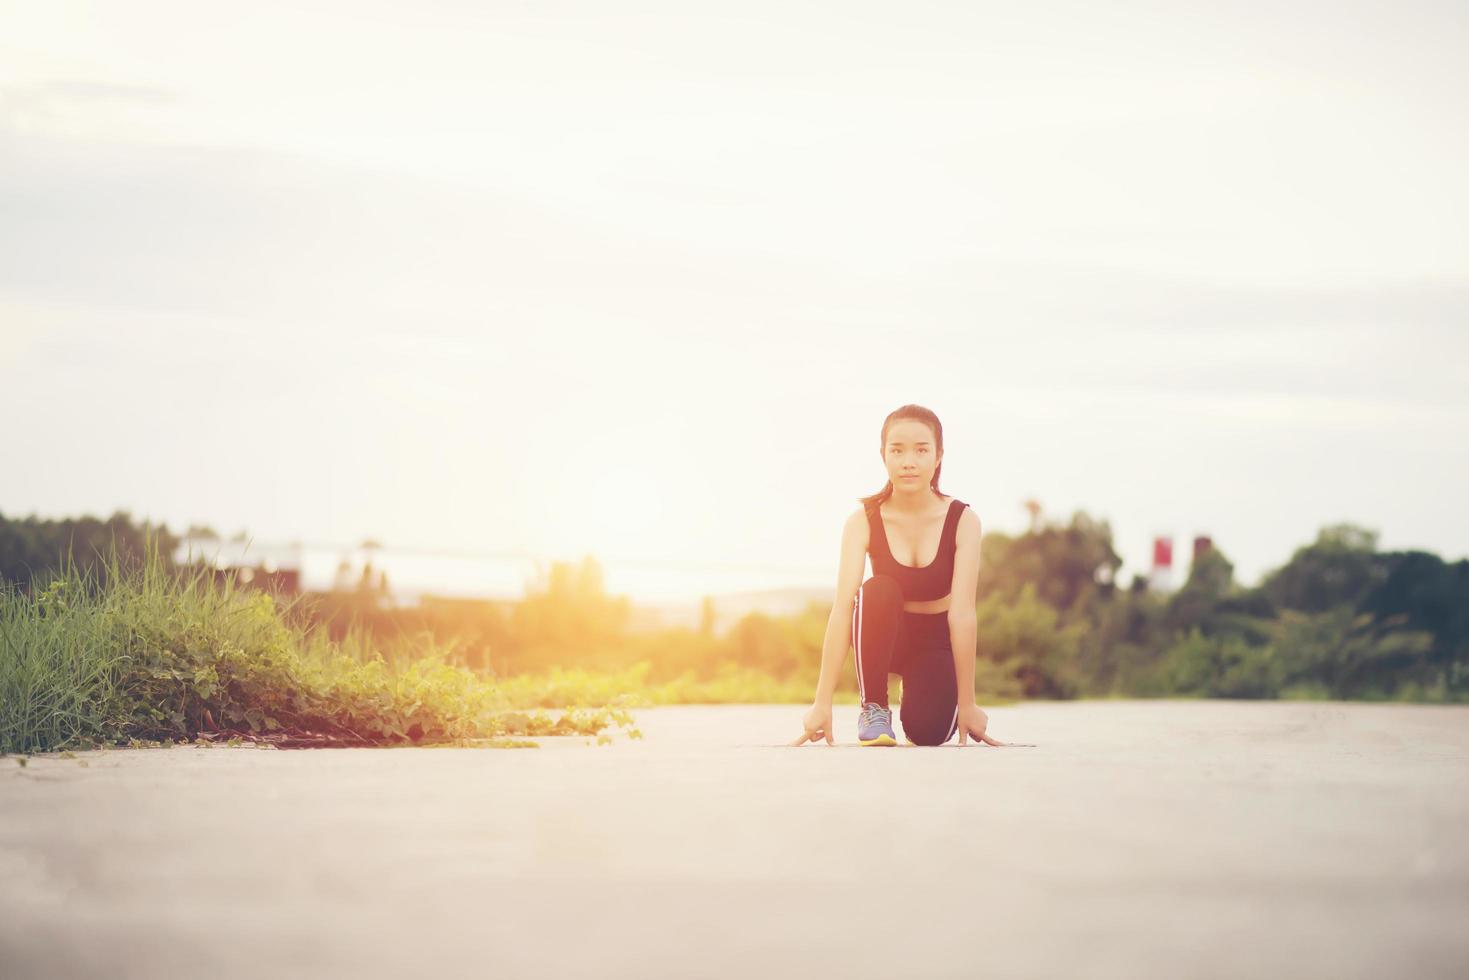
x=1136, y=840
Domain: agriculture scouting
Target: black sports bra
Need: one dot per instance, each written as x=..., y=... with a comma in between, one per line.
x=931, y=581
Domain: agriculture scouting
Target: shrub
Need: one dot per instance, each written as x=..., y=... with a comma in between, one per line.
x=147, y=653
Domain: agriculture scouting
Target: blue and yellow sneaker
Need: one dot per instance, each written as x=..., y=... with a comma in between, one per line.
x=875, y=725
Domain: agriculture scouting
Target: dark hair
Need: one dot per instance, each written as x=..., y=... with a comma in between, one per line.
x=919, y=414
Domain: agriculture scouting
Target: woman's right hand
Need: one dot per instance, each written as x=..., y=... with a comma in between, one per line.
x=817, y=723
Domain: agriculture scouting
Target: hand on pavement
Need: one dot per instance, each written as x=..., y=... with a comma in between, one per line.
x=973, y=722
x=817, y=723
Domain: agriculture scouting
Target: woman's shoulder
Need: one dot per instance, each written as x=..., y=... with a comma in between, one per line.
x=856, y=532
x=967, y=516
x=954, y=503
x=962, y=513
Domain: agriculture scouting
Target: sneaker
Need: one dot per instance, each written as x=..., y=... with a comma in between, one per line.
x=875, y=725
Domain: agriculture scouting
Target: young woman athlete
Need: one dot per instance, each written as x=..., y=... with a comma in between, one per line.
x=916, y=615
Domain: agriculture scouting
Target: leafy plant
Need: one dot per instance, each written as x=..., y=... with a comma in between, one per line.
x=145, y=654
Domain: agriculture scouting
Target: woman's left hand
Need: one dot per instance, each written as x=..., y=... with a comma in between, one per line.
x=973, y=722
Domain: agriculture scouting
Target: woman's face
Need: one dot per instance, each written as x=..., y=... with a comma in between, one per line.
x=910, y=455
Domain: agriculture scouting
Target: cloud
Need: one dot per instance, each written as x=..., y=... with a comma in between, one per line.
x=48, y=97
x=266, y=244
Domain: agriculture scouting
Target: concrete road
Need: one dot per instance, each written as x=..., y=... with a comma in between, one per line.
x=1136, y=840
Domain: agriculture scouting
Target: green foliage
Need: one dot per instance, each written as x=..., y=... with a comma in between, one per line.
x=1348, y=654
x=1425, y=593
x=780, y=646
x=1338, y=569
x=1118, y=654
x=1070, y=566
x=732, y=683
x=635, y=686
x=166, y=655
x=1210, y=580
x=569, y=610
x=141, y=653
x=32, y=547
x=1219, y=667
x=1030, y=651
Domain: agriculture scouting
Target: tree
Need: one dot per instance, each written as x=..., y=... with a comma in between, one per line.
x=1423, y=592
x=566, y=617
x=31, y=548
x=1067, y=565
x=1026, y=640
x=1338, y=569
x=1210, y=579
x=1347, y=653
x=1221, y=666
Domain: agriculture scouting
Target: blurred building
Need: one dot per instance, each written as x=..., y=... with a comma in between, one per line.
x=269, y=568
x=1160, y=579
x=280, y=581
x=1202, y=543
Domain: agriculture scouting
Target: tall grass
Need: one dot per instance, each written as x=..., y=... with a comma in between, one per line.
x=157, y=654
x=730, y=684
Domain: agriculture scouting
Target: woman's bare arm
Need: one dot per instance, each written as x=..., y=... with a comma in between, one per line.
x=838, y=637
x=962, y=601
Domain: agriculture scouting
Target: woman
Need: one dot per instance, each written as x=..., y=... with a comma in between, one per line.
x=915, y=616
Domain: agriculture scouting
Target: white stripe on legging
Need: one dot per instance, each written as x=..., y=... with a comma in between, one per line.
x=857, y=644
x=954, y=725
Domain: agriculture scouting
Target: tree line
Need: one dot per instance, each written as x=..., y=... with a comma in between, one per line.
x=1340, y=619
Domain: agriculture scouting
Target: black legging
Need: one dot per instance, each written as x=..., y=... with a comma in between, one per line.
x=889, y=639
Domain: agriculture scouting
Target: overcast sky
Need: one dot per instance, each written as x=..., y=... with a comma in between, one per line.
x=643, y=279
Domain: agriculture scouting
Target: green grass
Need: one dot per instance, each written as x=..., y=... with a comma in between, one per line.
x=158, y=657
x=729, y=684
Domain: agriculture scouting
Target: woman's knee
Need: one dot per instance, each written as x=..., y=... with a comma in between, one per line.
x=882, y=590
x=927, y=728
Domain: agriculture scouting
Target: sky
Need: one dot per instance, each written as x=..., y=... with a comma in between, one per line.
x=642, y=280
